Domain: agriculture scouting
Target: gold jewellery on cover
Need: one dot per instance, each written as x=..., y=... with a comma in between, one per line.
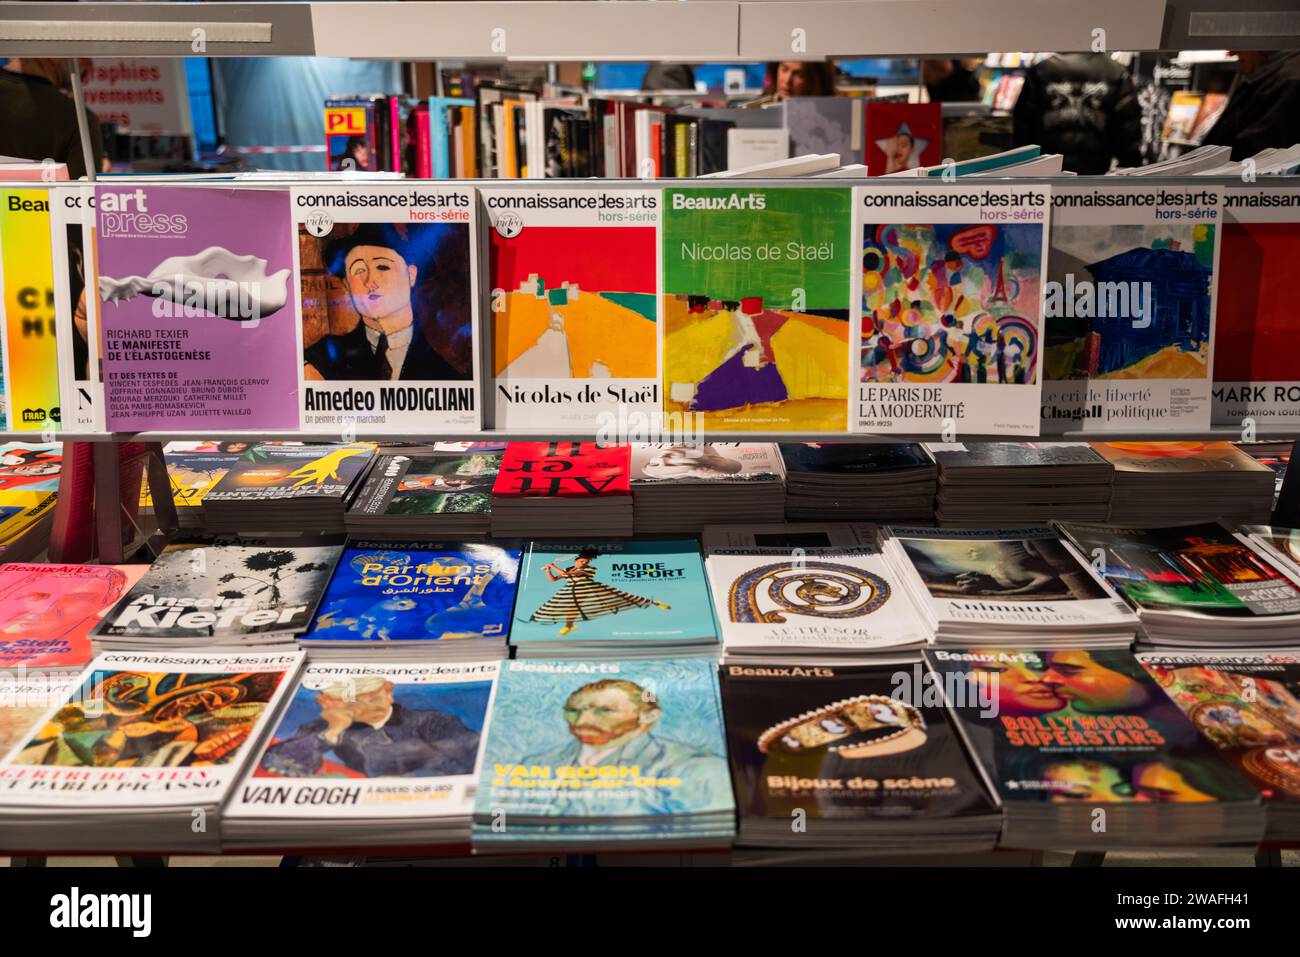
x=840, y=727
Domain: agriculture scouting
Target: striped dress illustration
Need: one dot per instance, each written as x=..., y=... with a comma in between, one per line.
x=582, y=598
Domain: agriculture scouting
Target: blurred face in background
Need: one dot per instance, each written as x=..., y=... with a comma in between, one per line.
x=936, y=71
x=791, y=79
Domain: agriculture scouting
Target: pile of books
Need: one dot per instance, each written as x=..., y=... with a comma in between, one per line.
x=160, y=791
x=613, y=599
x=287, y=487
x=1247, y=704
x=682, y=488
x=804, y=742
x=595, y=754
x=983, y=484
x=207, y=591
x=988, y=587
x=562, y=490
x=1061, y=734
x=808, y=593
x=434, y=496
x=859, y=482
x=368, y=755
x=1200, y=585
x=417, y=601
x=1175, y=483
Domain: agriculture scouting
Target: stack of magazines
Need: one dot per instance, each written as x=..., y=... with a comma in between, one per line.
x=222, y=592
x=417, y=601
x=605, y=754
x=1274, y=456
x=562, y=490
x=1174, y=483
x=613, y=599
x=149, y=745
x=990, y=586
x=287, y=487
x=366, y=755
x=1282, y=545
x=194, y=468
x=1198, y=585
x=1019, y=483
x=1085, y=752
x=808, y=593
x=859, y=482
x=1247, y=704
x=426, y=496
x=29, y=485
x=682, y=488
x=859, y=760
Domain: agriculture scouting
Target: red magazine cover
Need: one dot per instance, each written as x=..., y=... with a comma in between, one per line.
x=563, y=470
x=1254, y=326
x=903, y=136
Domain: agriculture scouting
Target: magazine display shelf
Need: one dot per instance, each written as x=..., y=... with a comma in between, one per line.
x=1260, y=429
x=701, y=30
x=107, y=493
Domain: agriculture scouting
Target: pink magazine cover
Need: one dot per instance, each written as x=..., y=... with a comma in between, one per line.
x=196, y=310
x=48, y=610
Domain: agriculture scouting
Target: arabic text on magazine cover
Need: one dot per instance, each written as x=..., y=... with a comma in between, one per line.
x=423, y=591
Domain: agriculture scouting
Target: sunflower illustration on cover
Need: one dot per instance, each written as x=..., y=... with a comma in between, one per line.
x=581, y=597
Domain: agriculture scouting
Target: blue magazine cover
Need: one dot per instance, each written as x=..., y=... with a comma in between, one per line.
x=418, y=591
x=617, y=741
x=431, y=716
x=613, y=591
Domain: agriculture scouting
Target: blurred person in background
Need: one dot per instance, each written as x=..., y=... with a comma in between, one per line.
x=796, y=78
x=39, y=118
x=1083, y=106
x=668, y=76
x=1263, y=105
x=949, y=81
